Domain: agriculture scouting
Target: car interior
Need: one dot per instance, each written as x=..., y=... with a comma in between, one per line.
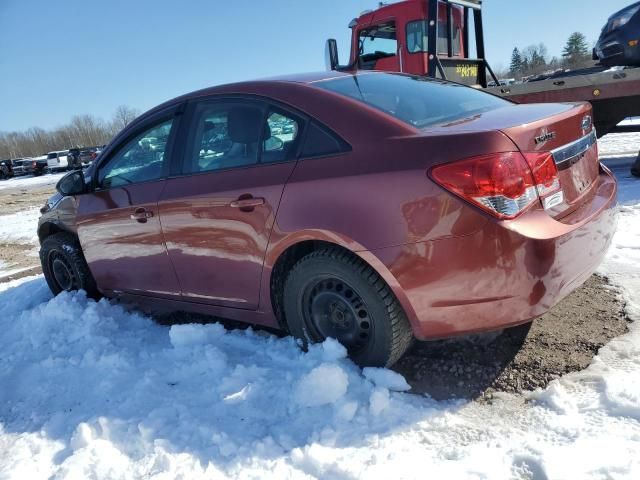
x=228, y=138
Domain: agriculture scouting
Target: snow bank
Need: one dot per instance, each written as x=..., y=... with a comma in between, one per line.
x=90, y=390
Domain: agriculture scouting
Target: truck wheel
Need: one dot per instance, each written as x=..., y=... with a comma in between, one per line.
x=332, y=293
x=64, y=266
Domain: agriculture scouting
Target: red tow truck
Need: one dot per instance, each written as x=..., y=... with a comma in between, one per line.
x=432, y=38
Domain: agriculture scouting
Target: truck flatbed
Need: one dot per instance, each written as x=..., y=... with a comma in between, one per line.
x=615, y=95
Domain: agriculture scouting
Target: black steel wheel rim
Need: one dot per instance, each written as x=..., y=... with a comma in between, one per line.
x=62, y=272
x=332, y=308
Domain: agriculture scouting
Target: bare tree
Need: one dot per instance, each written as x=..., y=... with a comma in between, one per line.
x=122, y=117
x=82, y=131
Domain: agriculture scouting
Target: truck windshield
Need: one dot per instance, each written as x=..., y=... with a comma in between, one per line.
x=418, y=101
x=379, y=40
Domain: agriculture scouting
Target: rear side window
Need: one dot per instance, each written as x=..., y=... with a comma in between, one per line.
x=226, y=135
x=318, y=142
x=418, y=101
x=280, y=137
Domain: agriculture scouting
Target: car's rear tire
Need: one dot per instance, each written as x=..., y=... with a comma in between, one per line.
x=64, y=265
x=332, y=293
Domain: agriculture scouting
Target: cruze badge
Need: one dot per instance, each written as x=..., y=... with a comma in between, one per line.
x=545, y=137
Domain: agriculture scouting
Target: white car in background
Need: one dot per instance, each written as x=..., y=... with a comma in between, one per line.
x=58, y=160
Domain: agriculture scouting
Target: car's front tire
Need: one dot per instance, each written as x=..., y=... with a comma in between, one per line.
x=64, y=265
x=332, y=293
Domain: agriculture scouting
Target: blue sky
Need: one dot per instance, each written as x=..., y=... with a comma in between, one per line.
x=66, y=57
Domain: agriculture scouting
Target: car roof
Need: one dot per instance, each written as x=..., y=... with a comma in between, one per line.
x=255, y=86
x=298, y=78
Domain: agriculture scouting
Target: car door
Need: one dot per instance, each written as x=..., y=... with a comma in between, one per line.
x=118, y=221
x=218, y=211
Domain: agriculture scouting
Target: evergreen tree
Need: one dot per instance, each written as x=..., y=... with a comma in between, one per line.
x=576, y=51
x=516, y=62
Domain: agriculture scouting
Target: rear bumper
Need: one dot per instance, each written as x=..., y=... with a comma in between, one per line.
x=505, y=274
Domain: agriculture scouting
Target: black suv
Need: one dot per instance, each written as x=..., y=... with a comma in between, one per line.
x=6, y=169
x=619, y=42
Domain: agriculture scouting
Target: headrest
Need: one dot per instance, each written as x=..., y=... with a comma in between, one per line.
x=244, y=124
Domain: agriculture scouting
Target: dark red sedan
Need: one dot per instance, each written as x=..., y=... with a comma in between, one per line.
x=373, y=208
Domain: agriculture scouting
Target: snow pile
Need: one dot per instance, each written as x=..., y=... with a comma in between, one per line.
x=90, y=390
x=20, y=227
x=324, y=385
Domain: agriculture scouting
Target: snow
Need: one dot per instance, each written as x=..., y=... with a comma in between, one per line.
x=324, y=385
x=20, y=227
x=615, y=144
x=31, y=181
x=630, y=121
x=386, y=379
x=91, y=390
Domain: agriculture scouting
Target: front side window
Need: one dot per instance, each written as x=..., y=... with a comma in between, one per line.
x=417, y=37
x=418, y=101
x=140, y=160
x=379, y=41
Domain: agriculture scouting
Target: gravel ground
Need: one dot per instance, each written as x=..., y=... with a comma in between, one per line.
x=518, y=359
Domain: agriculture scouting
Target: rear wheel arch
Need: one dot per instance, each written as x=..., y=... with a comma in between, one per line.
x=290, y=256
x=333, y=292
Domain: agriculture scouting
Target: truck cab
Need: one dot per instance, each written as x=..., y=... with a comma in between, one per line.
x=420, y=37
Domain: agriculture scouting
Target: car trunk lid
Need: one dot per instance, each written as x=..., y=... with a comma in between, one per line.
x=569, y=136
x=564, y=130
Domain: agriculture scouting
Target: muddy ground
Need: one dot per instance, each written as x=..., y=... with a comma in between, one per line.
x=517, y=359
x=21, y=257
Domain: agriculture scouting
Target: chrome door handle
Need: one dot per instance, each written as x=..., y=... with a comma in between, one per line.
x=141, y=215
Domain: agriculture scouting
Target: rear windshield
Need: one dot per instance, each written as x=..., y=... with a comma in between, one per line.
x=418, y=101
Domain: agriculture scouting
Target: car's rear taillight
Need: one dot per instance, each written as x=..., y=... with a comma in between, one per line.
x=503, y=184
x=545, y=172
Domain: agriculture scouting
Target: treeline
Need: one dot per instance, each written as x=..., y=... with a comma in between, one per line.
x=534, y=59
x=81, y=131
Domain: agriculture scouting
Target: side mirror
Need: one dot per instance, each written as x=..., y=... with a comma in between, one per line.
x=331, y=54
x=72, y=184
